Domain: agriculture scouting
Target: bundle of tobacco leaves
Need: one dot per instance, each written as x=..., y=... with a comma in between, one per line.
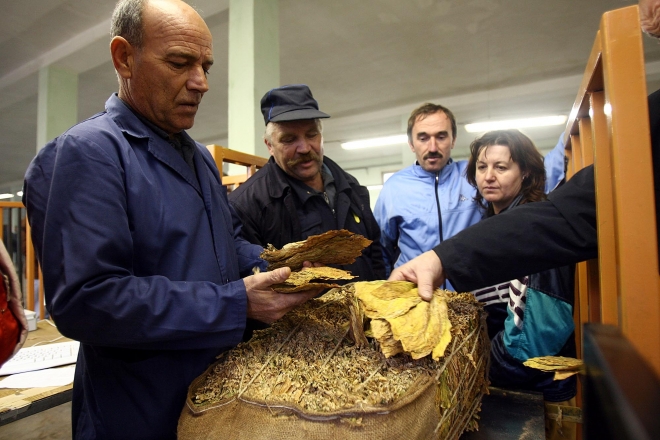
x=401, y=321
x=332, y=247
x=563, y=367
x=316, y=361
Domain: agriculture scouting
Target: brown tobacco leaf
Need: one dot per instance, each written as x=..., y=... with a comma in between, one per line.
x=307, y=278
x=563, y=367
x=332, y=247
x=554, y=363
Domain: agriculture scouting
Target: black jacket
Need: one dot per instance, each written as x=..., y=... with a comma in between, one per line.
x=269, y=209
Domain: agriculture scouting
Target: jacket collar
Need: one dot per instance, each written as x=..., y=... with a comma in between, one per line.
x=512, y=205
x=130, y=123
x=445, y=172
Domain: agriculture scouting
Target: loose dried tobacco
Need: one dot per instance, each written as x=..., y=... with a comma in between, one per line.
x=313, y=362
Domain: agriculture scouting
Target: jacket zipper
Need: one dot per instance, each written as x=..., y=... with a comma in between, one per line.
x=437, y=204
x=327, y=200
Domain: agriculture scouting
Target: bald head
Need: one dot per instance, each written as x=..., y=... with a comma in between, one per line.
x=127, y=18
x=162, y=76
x=649, y=16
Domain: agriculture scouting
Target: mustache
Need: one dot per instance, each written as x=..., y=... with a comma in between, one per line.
x=433, y=155
x=304, y=158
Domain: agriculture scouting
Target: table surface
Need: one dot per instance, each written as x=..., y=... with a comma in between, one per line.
x=16, y=403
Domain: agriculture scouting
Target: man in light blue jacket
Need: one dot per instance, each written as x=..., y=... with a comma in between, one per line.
x=431, y=200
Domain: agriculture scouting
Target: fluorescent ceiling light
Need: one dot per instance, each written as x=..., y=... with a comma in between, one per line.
x=6, y=196
x=19, y=194
x=543, y=121
x=375, y=142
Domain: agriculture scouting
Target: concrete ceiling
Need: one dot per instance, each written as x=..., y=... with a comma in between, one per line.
x=368, y=63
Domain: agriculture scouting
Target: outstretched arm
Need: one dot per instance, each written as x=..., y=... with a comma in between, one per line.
x=529, y=239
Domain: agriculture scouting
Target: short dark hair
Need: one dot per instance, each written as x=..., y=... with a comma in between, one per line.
x=127, y=21
x=425, y=110
x=523, y=152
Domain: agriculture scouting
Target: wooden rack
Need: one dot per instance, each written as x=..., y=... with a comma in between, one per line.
x=609, y=128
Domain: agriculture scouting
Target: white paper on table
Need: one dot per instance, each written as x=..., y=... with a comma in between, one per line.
x=49, y=377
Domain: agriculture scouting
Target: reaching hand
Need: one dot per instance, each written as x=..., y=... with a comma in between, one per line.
x=425, y=270
x=266, y=305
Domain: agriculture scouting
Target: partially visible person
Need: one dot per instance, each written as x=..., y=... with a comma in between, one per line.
x=431, y=200
x=141, y=253
x=529, y=316
x=649, y=16
x=301, y=192
x=13, y=323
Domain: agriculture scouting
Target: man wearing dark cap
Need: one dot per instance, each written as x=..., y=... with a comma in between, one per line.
x=299, y=192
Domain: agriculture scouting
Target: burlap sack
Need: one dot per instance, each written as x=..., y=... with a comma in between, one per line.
x=276, y=377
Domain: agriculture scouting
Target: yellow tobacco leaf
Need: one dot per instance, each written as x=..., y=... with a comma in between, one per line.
x=424, y=329
x=445, y=333
x=386, y=299
x=554, y=363
x=415, y=330
x=561, y=375
x=401, y=319
x=382, y=332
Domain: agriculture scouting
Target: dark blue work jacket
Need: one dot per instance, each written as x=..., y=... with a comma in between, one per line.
x=141, y=263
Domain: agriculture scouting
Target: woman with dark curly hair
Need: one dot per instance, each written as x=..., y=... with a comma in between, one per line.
x=531, y=316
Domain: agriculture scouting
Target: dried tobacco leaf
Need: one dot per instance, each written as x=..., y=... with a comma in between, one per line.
x=311, y=278
x=390, y=299
x=381, y=331
x=561, y=375
x=554, y=363
x=402, y=321
x=332, y=247
x=563, y=367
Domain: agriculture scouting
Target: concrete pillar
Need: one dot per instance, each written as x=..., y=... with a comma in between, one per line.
x=254, y=68
x=57, y=107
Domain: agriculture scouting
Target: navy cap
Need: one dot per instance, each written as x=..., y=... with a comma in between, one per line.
x=290, y=103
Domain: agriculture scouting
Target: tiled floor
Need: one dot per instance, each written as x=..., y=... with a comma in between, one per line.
x=52, y=424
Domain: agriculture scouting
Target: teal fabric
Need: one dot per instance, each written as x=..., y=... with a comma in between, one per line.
x=547, y=324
